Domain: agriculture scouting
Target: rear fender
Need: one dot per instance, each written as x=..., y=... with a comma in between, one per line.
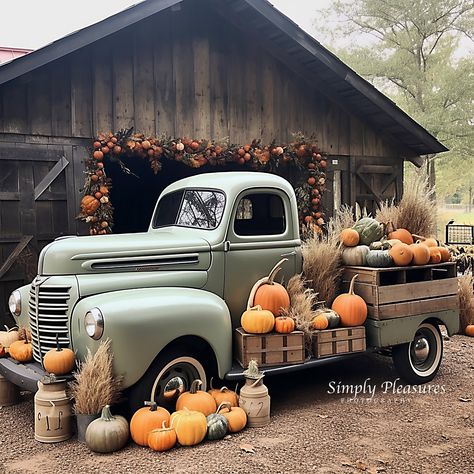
x=141, y=322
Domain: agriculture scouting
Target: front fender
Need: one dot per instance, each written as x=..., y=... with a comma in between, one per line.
x=141, y=322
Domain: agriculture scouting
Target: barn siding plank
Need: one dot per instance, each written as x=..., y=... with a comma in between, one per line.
x=143, y=79
x=15, y=108
x=123, y=96
x=183, y=76
x=61, y=103
x=267, y=93
x=102, y=91
x=218, y=88
x=202, y=99
x=39, y=104
x=164, y=85
x=81, y=96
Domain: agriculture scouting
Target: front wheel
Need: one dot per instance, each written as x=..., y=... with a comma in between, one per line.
x=169, y=376
x=418, y=361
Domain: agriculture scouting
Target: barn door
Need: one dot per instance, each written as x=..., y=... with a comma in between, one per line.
x=373, y=182
x=35, y=185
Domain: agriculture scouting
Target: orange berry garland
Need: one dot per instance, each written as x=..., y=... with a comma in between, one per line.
x=301, y=153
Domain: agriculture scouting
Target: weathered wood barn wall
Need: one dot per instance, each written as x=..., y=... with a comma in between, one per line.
x=190, y=70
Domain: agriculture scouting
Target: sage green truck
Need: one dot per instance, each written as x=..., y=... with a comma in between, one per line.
x=170, y=298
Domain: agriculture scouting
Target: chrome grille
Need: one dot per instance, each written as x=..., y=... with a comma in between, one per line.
x=48, y=311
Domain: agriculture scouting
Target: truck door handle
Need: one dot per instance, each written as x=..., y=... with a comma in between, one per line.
x=289, y=254
x=226, y=246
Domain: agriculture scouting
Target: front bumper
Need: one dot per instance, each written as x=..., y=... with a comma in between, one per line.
x=26, y=376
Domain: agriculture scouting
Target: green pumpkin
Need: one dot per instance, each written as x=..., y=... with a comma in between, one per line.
x=384, y=244
x=217, y=426
x=379, y=258
x=355, y=256
x=332, y=317
x=369, y=230
x=108, y=433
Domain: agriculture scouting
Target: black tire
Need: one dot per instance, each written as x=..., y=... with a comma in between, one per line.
x=176, y=362
x=418, y=361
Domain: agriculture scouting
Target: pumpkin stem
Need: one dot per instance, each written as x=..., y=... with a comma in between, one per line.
x=351, y=287
x=210, y=384
x=275, y=270
x=224, y=405
x=106, y=414
x=153, y=406
x=163, y=425
x=389, y=228
x=224, y=389
x=58, y=347
x=195, y=386
x=419, y=237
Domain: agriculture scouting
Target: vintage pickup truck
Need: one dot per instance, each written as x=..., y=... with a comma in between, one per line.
x=169, y=299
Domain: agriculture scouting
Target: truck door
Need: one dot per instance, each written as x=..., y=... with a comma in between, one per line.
x=261, y=232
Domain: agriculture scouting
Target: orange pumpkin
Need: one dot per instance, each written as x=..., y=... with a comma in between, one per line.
x=59, y=361
x=435, y=255
x=430, y=242
x=257, y=320
x=89, y=204
x=349, y=237
x=351, y=308
x=221, y=395
x=190, y=426
x=401, y=234
x=22, y=351
x=162, y=439
x=284, y=324
x=196, y=400
x=147, y=419
x=268, y=294
x=236, y=417
x=421, y=254
x=469, y=330
x=445, y=254
x=401, y=254
x=320, y=322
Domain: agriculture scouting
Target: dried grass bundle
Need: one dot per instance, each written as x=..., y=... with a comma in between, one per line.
x=95, y=384
x=322, y=266
x=466, y=300
x=388, y=212
x=342, y=219
x=417, y=208
x=302, y=301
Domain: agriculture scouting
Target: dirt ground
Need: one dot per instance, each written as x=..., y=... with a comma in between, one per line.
x=313, y=428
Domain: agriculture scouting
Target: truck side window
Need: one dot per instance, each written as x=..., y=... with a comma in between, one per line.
x=260, y=214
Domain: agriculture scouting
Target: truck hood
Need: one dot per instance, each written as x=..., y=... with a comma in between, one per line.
x=153, y=251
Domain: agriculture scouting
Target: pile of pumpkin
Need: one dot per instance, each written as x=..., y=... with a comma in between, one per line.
x=370, y=243
x=269, y=302
x=199, y=415
x=16, y=343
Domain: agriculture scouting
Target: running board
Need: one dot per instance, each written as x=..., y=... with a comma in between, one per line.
x=237, y=372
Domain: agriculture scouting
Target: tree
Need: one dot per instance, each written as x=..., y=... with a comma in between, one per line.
x=410, y=50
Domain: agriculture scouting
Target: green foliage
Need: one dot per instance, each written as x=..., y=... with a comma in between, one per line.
x=410, y=50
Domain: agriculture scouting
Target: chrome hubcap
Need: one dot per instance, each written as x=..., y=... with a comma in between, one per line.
x=421, y=350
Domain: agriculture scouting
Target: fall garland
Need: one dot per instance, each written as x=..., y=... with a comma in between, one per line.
x=96, y=207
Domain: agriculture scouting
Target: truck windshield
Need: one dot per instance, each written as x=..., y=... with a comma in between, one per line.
x=198, y=208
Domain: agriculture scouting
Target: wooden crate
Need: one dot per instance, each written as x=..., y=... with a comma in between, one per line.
x=405, y=291
x=269, y=349
x=338, y=341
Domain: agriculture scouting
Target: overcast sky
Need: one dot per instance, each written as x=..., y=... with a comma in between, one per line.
x=33, y=23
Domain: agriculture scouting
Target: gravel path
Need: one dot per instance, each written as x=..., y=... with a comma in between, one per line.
x=311, y=430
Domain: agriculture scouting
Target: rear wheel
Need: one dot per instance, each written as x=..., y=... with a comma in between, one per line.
x=418, y=361
x=170, y=375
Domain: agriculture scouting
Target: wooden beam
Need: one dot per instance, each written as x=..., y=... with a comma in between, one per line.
x=50, y=177
x=14, y=255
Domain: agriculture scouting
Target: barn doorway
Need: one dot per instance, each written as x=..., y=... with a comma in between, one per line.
x=134, y=196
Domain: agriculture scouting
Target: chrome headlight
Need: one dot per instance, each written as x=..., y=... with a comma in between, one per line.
x=94, y=323
x=14, y=303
